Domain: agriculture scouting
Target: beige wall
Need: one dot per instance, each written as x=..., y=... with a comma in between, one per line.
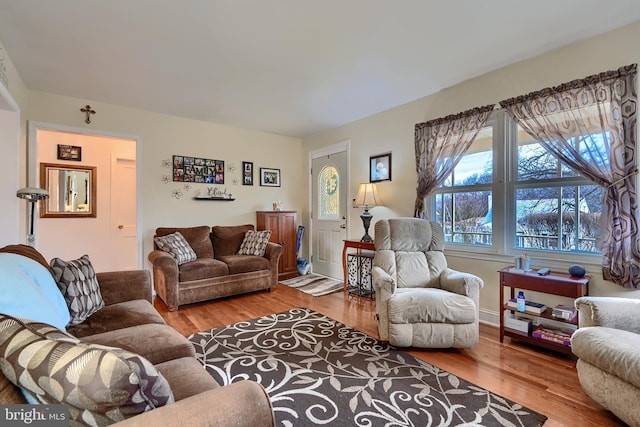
x=161, y=137
x=394, y=130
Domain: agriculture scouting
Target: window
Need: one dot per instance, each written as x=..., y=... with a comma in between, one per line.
x=463, y=202
x=556, y=209
x=329, y=192
x=540, y=205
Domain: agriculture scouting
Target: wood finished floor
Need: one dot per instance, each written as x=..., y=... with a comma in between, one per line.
x=541, y=380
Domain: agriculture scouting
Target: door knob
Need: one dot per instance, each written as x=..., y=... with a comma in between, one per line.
x=343, y=225
x=120, y=227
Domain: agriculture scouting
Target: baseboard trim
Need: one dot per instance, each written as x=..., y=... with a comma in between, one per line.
x=490, y=317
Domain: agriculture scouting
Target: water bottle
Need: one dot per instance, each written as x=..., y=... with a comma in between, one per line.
x=520, y=302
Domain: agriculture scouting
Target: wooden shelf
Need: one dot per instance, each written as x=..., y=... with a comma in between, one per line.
x=556, y=283
x=524, y=337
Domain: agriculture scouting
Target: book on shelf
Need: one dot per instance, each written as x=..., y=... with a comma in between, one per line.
x=558, y=336
x=529, y=306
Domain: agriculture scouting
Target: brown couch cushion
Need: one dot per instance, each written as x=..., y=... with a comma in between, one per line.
x=202, y=268
x=118, y=316
x=156, y=343
x=245, y=263
x=227, y=239
x=198, y=238
x=186, y=377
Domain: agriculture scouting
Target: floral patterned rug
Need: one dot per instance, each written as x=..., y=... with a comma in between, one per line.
x=318, y=371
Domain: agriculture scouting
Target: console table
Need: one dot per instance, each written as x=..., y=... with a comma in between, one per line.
x=361, y=248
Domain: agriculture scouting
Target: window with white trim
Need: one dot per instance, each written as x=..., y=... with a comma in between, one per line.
x=508, y=194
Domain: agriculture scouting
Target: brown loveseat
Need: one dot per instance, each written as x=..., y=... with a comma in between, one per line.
x=128, y=321
x=218, y=271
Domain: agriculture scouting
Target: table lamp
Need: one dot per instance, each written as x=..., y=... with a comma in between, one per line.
x=32, y=195
x=367, y=197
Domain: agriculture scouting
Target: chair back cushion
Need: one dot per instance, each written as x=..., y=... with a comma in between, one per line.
x=198, y=238
x=410, y=250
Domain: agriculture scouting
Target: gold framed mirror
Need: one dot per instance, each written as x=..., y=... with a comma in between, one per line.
x=72, y=191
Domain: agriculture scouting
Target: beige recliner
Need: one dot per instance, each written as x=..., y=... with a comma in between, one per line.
x=419, y=301
x=607, y=344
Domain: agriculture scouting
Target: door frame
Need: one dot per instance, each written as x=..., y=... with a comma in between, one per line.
x=32, y=162
x=313, y=154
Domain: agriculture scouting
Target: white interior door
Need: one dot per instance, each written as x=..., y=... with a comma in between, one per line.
x=329, y=203
x=124, y=233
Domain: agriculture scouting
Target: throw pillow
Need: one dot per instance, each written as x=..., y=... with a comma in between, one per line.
x=79, y=286
x=101, y=385
x=255, y=242
x=177, y=246
x=27, y=290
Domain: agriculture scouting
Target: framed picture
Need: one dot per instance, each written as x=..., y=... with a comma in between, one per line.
x=69, y=152
x=247, y=173
x=380, y=167
x=269, y=177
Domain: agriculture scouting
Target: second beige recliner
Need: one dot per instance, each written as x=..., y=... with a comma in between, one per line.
x=420, y=302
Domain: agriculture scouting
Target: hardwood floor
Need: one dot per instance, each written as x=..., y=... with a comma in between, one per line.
x=541, y=380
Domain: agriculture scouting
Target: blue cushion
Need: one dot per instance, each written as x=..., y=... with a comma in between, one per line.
x=28, y=291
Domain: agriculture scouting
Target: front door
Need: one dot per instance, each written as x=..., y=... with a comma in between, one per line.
x=329, y=204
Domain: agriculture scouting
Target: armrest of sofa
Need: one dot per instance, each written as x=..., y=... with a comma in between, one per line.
x=119, y=286
x=165, y=277
x=611, y=312
x=273, y=253
x=244, y=403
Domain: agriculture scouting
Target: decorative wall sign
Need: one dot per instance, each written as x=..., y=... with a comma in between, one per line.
x=198, y=170
x=69, y=152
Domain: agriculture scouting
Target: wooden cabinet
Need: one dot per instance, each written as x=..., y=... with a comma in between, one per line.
x=284, y=229
x=560, y=284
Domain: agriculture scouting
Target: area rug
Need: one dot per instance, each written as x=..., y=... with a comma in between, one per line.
x=315, y=284
x=317, y=371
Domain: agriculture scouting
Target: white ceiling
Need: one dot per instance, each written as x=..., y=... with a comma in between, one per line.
x=291, y=67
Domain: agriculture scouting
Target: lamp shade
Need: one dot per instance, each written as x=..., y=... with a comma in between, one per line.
x=32, y=194
x=367, y=196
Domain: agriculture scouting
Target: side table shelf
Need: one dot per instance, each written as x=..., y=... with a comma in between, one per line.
x=560, y=284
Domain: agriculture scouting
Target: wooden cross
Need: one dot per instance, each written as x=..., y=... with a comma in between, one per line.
x=87, y=112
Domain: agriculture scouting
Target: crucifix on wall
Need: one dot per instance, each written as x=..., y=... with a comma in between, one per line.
x=87, y=112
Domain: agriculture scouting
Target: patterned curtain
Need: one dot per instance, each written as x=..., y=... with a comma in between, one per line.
x=590, y=124
x=440, y=144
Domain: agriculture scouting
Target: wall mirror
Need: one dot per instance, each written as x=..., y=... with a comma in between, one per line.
x=72, y=191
